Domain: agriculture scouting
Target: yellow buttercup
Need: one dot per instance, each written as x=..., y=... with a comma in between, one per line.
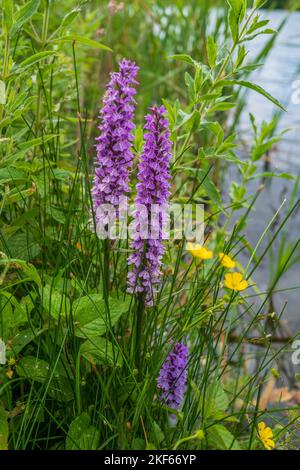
x=199, y=251
x=266, y=436
x=235, y=281
x=226, y=261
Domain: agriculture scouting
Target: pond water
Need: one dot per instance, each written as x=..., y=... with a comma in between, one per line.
x=278, y=76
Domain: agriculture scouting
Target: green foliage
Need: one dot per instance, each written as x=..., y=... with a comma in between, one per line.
x=81, y=435
x=72, y=379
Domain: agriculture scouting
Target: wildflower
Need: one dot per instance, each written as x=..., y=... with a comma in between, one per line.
x=152, y=192
x=172, y=376
x=266, y=436
x=235, y=281
x=199, y=251
x=226, y=261
x=114, y=155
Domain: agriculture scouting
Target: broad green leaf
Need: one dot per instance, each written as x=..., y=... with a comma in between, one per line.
x=56, y=381
x=56, y=304
x=24, y=14
x=212, y=51
x=91, y=317
x=90, y=438
x=100, y=351
x=221, y=439
x=56, y=214
x=6, y=315
x=31, y=273
x=33, y=368
x=19, y=316
x=3, y=429
x=235, y=17
x=22, y=339
x=85, y=41
x=82, y=435
x=23, y=246
x=213, y=403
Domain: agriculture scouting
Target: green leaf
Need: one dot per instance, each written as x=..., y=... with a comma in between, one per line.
x=254, y=87
x=33, y=368
x=3, y=429
x=85, y=41
x=55, y=303
x=221, y=439
x=212, y=51
x=56, y=381
x=235, y=17
x=259, y=3
x=270, y=174
x=22, y=339
x=29, y=144
x=81, y=435
x=28, y=269
x=23, y=246
x=91, y=317
x=19, y=316
x=11, y=174
x=138, y=444
x=182, y=58
x=24, y=14
x=100, y=351
x=69, y=17
x=35, y=58
x=190, y=121
x=208, y=185
x=8, y=12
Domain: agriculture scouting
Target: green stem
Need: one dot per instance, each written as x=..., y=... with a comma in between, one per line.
x=106, y=270
x=139, y=328
x=5, y=72
x=39, y=91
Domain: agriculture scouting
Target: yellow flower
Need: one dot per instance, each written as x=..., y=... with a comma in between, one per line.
x=226, y=261
x=9, y=373
x=12, y=362
x=235, y=281
x=266, y=436
x=199, y=251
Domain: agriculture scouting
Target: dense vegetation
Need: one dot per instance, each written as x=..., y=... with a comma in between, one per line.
x=82, y=354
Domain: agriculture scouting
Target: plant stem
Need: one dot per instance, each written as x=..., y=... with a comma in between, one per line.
x=139, y=328
x=106, y=270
